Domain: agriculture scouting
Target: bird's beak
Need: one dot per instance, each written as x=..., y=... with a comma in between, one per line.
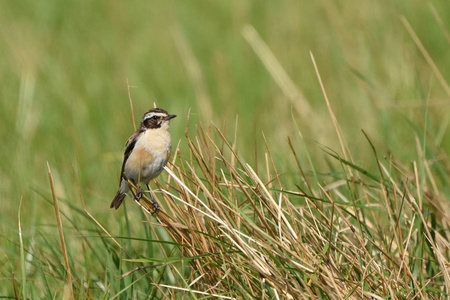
x=169, y=117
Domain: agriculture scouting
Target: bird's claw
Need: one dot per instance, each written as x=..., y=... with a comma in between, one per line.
x=155, y=206
x=139, y=194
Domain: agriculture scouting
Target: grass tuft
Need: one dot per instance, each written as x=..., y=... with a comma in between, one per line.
x=243, y=239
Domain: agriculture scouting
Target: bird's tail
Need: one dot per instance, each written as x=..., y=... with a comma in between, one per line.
x=118, y=199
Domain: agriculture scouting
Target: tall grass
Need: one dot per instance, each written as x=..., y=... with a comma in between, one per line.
x=238, y=234
x=246, y=235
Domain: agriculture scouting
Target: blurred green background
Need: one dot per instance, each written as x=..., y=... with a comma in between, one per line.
x=64, y=69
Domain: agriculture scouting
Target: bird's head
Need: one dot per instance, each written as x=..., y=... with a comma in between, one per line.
x=156, y=118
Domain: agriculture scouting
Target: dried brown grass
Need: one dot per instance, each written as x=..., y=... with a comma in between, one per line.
x=359, y=237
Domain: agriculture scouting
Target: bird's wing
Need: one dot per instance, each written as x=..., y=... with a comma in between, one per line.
x=129, y=146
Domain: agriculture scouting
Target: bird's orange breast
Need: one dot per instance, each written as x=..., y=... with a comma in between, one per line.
x=139, y=158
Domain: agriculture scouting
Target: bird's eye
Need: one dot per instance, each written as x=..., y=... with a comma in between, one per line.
x=154, y=117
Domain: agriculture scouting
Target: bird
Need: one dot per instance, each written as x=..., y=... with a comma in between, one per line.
x=146, y=153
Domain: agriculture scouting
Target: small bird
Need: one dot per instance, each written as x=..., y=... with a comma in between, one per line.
x=146, y=154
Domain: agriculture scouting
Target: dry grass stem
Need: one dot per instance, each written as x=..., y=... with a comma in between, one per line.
x=61, y=234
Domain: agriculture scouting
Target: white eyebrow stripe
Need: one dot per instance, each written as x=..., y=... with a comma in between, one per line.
x=152, y=115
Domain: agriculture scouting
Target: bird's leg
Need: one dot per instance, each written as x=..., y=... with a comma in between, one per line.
x=139, y=193
x=155, y=204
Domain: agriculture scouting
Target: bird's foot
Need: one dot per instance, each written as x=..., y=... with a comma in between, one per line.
x=139, y=194
x=155, y=204
x=155, y=207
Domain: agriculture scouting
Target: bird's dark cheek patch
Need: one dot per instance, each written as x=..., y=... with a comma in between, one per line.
x=152, y=123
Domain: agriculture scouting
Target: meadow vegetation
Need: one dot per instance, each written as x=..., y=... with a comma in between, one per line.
x=310, y=152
